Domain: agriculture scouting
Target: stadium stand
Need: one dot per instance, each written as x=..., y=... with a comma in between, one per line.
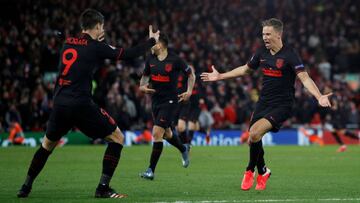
x=205, y=32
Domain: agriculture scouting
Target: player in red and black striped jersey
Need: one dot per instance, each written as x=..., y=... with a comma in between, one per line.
x=280, y=66
x=161, y=72
x=189, y=111
x=73, y=105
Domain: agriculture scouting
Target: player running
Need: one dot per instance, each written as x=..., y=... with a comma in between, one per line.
x=280, y=65
x=339, y=119
x=161, y=71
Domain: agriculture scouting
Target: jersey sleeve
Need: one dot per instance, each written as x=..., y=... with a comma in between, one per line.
x=106, y=51
x=254, y=61
x=186, y=69
x=295, y=62
x=146, y=71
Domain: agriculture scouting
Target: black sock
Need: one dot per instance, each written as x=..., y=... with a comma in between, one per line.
x=350, y=134
x=110, y=161
x=37, y=164
x=175, y=141
x=255, y=149
x=337, y=138
x=155, y=155
x=182, y=137
x=261, y=161
x=190, y=136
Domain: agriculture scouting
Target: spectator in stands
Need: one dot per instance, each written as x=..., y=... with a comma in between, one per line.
x=12, y=115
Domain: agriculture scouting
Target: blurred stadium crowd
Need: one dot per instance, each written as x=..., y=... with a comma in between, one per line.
x=203, y=32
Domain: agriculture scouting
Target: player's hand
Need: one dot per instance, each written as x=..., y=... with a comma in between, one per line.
x=213, y=76
x=147, y=90
x=324, y=100
x=184, y=96
x=154, y=35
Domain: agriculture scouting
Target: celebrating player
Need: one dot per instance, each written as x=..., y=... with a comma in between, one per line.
x=161, y=71
x=280, y=65
x=73, y=105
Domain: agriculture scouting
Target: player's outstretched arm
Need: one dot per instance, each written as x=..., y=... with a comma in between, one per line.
x=106, y=51
x=141, y=49
x=305, y=79
x=144, y=85
x=215, y=75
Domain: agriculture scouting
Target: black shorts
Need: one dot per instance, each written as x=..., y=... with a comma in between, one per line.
x=276, y=115
x=164, y=113
x=93, y=121
x=183, y=111
x=194, y=113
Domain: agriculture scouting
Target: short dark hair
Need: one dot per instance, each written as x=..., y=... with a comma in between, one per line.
x=275, y=23
x=89, y=18
x=164, y=39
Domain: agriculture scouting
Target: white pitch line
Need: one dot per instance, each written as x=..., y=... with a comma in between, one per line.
x=266, y=200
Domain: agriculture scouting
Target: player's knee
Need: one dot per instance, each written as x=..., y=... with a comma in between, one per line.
x=117, y=137
x=158, y=137
x=255, y=136
x=48, y=144
x=158, y=133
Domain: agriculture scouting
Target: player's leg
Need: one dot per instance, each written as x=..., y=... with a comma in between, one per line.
x=263, y=171
x=256, y=133
x=174, y=140
x=96, y=123
x=274, y=118
x=193, y=126
x=110, y=161
x=158, y=133
x=37, y=164
x=167, y=114
x=350, y=134
x=181, y=129
x=255, y=148
x=183, y=114
x=336, y=134
x=183, y=148
x=59, y=124
x=193, y=123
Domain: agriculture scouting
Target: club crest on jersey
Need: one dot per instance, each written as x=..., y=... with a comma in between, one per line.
x=279, y=63
x=168, y=67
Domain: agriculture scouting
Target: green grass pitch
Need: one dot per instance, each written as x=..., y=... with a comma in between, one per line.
x=299, y=174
